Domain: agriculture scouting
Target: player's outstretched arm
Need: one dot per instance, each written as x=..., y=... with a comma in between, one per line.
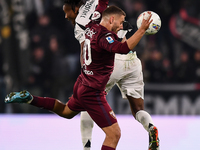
x=136, y=37
x=103, y=3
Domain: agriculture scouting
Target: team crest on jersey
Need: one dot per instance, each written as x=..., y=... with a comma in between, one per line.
x=109, y=39
x=112, y=114
x=96, y=15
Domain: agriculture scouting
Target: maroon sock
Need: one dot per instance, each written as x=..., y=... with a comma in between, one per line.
x=43, y=102
x=106, y=148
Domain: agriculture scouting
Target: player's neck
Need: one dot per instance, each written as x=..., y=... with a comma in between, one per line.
x=106, y=25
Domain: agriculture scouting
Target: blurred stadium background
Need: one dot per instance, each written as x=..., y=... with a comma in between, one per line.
x=38, y=52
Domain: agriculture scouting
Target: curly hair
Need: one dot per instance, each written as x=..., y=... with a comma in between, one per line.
x=74, y=3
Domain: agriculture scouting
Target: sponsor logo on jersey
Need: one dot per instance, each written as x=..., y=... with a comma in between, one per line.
x=88, y=72
x=96, y=15
x=109, y=39
x=112, y=114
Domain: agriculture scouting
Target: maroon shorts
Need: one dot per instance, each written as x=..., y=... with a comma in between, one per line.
x=94, y=102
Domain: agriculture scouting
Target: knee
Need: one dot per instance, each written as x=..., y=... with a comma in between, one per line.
x=118, y=135
x=68, y=116
x=115, y=134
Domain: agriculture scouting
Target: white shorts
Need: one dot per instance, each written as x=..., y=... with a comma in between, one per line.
x=128, y=76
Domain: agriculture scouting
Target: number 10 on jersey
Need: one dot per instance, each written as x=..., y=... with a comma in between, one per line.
x=87, y=52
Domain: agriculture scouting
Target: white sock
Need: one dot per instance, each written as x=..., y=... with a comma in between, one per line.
x=86, y=129
x=144, y=118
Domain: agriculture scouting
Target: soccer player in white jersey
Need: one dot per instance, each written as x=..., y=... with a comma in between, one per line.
x=127, y=75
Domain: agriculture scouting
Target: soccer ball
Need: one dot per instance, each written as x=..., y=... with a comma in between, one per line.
x=155, y=25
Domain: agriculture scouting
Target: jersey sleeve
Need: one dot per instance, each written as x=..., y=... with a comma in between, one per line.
x=79, y=33
x=103, y=4
x=97, y=15
x=109, y=43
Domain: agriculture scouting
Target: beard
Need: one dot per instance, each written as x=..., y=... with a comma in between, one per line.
x=115, y=29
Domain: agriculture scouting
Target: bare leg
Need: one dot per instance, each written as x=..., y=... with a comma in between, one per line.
x=137, y=108
x=113, y=134
x=63, y=110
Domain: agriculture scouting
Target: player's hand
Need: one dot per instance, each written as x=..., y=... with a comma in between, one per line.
x=146, y=20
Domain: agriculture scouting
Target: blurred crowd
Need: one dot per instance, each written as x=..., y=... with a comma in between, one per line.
x=54, y=52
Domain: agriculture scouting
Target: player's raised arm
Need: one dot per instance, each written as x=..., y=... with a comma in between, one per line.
x=97, y=15
x=136, y=37
x=103, y=3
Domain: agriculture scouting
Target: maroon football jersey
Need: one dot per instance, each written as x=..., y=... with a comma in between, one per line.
x=99, y=52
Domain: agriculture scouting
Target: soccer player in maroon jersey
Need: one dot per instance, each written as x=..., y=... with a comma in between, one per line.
x=89, y=90
x=129, y=80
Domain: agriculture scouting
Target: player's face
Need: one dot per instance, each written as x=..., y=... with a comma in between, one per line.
x=69, y=13
x=118, y=23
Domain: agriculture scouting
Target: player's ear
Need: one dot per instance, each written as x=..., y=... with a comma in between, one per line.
x=111, y=20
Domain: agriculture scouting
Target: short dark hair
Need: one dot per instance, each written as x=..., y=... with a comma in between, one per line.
x=113, y=10
x=74, y=3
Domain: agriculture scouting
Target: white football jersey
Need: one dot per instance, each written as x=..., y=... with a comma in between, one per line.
x=86, y=11
x=83, y=18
